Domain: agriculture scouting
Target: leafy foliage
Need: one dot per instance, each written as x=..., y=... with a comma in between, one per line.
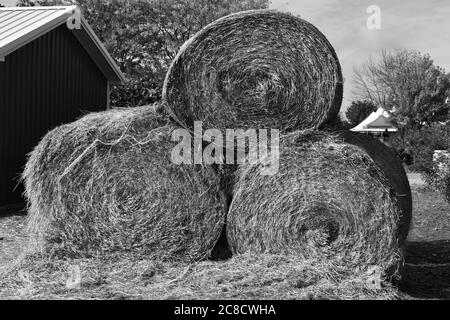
x=358, y=111
x=408, y=84
x=418, y=146
x=143, y=36
x=442, y=168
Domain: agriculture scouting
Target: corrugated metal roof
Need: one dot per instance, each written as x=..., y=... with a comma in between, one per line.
x=21, y=25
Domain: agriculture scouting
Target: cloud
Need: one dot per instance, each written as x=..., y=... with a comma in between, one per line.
x=413, y=24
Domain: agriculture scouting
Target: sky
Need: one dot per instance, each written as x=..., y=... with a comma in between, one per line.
x=421, y=25
x=8, y=2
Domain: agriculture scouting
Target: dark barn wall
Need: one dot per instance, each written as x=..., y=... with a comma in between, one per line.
x=48, y=82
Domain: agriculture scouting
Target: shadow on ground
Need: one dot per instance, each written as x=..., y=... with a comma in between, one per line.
x=13, y=210
x=427, y=270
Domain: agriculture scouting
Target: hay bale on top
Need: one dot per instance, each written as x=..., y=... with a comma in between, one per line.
x=329, y=200
x=255, y=69
x=106, y=184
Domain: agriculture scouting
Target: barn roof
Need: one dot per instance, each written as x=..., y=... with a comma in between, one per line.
x=21, y=25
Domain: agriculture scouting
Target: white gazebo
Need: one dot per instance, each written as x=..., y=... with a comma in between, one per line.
x=377, y=122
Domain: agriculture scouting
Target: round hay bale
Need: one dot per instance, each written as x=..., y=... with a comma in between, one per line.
x=329, y=200
x=106, y=184
x=255, y=69
x=390, y=164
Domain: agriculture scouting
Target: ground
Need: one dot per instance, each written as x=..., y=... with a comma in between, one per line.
x=427, y=270
x=426, y=274
x=12, y=235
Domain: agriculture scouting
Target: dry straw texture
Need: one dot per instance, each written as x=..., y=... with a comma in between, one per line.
x=391, y=165
x=255, y=69
x=329, y=200
x=106, y=183
x=242, y=277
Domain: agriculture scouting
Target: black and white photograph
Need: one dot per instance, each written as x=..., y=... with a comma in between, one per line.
x=224, y=156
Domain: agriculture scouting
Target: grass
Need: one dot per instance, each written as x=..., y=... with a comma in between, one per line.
x=427, y=271
x=426, y=274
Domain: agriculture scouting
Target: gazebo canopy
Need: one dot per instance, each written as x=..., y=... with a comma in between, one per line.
x=377, y=121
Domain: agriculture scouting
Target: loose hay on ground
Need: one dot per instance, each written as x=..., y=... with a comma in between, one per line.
x=328, y=201
x=255, y=69
x=106, y=183
x=242, y=277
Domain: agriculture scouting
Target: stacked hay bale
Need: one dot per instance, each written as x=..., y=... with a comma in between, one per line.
x=106, y=184
x=330, y=199
x=255, y=69
x=386, y=159
x=337, y=195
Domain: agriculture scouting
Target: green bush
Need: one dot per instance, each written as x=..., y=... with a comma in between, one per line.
x=416, y=148
x=447, y=188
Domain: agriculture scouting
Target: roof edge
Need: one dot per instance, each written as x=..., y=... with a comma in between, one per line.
x=37, y=7
x=47, y=27
x=113, y=73
x=121, y=79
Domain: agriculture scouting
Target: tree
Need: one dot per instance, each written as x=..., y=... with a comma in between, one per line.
x=407, y=84
x=419, y=145
x=358, y=111
x=144, y=36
